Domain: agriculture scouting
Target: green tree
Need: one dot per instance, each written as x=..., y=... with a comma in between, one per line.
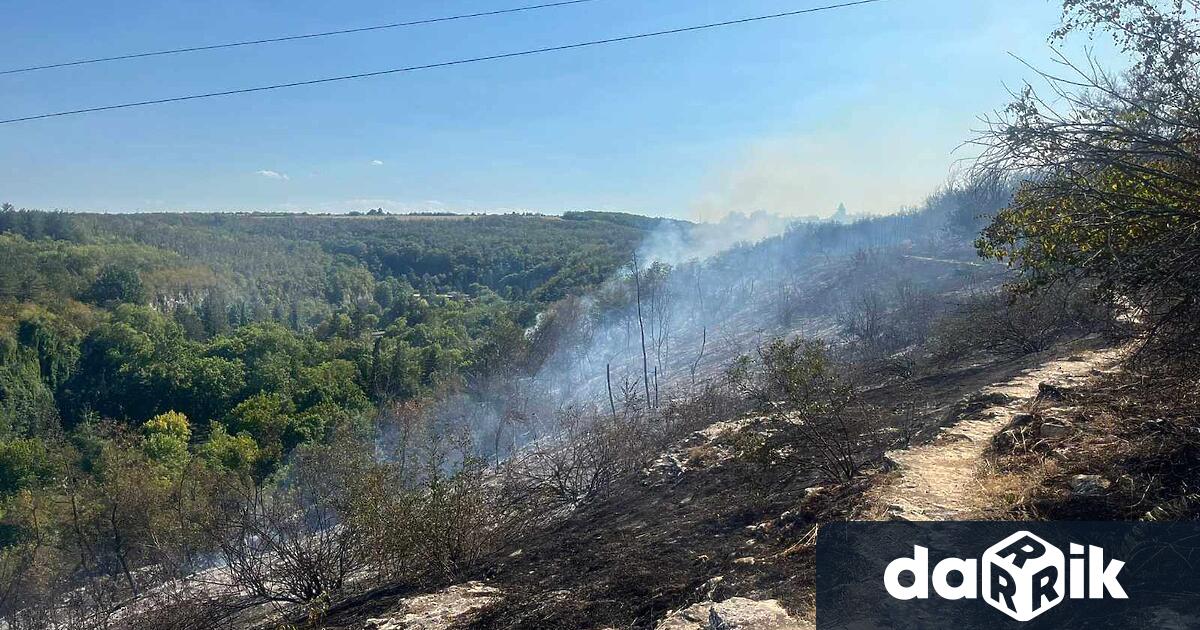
x=1111, y=191
x=333, y=382
x=117, y=284
x=267, y=418
x=27, y=405
x=24, y=462
x=166, y=438
x=238, y=453
x=55, y=344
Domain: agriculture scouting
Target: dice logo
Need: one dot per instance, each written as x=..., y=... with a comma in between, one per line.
x=1023, y=576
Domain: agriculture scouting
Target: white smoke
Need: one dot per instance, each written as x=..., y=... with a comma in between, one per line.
x=674, y=243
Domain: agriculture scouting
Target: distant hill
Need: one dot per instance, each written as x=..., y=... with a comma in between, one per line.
x=521, y=255
x=637, y=221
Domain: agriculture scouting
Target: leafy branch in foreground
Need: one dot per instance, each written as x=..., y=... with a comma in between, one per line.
x=1112, y=170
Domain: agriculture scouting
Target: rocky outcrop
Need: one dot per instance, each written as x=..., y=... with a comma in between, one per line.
x=437, y=610
x=735, y=613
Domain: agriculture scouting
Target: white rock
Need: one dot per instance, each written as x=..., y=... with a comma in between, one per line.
x=437, y=610
x=735, y=613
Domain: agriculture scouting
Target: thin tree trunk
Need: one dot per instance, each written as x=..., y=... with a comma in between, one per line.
x=84, y=548
x=656, y=387
x=703, y=343
x=637, y=281
x=608, y=378
x=119, y=547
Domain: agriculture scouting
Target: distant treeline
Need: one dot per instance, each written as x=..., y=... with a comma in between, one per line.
x=122, y=317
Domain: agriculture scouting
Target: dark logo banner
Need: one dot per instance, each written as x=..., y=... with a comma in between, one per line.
x=1008, y=575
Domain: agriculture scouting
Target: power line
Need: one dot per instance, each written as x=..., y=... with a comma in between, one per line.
x=290, y=38
x=443, y=64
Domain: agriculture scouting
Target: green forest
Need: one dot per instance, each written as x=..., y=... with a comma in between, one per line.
x=133, y=347
x=277, y=420
x=266, y=326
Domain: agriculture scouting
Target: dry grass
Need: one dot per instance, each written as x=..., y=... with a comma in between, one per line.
x=702, y=456
x=1140, y=434
x=1008, y=493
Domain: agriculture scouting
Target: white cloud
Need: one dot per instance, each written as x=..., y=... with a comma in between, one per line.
x=272, y=174
x=376, y=162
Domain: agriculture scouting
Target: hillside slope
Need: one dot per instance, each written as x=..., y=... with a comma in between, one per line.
x=725, y=518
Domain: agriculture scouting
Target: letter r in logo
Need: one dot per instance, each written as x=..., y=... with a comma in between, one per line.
x=1023, y=576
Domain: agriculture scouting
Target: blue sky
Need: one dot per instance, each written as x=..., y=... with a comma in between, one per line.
x=863, y=105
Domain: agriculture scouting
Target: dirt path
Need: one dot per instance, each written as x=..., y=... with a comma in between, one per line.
x=939, y=480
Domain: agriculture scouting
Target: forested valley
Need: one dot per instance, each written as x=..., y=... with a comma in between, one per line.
x=204, y=413
x=601, y=420
x=265, y=325
x=140, y=351
x=173, y=383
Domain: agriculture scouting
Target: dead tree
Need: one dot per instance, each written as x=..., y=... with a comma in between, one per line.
x=637, y=282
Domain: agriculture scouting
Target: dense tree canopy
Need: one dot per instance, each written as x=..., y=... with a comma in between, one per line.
x=269, y=327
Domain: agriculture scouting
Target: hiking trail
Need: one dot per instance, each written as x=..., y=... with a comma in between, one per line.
x=941, y=480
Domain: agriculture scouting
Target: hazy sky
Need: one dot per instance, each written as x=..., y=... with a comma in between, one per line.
x=863, y=105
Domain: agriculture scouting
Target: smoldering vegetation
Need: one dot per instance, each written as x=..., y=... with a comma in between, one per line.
x=780, y=364
x=668, y=325
x=798, y=324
